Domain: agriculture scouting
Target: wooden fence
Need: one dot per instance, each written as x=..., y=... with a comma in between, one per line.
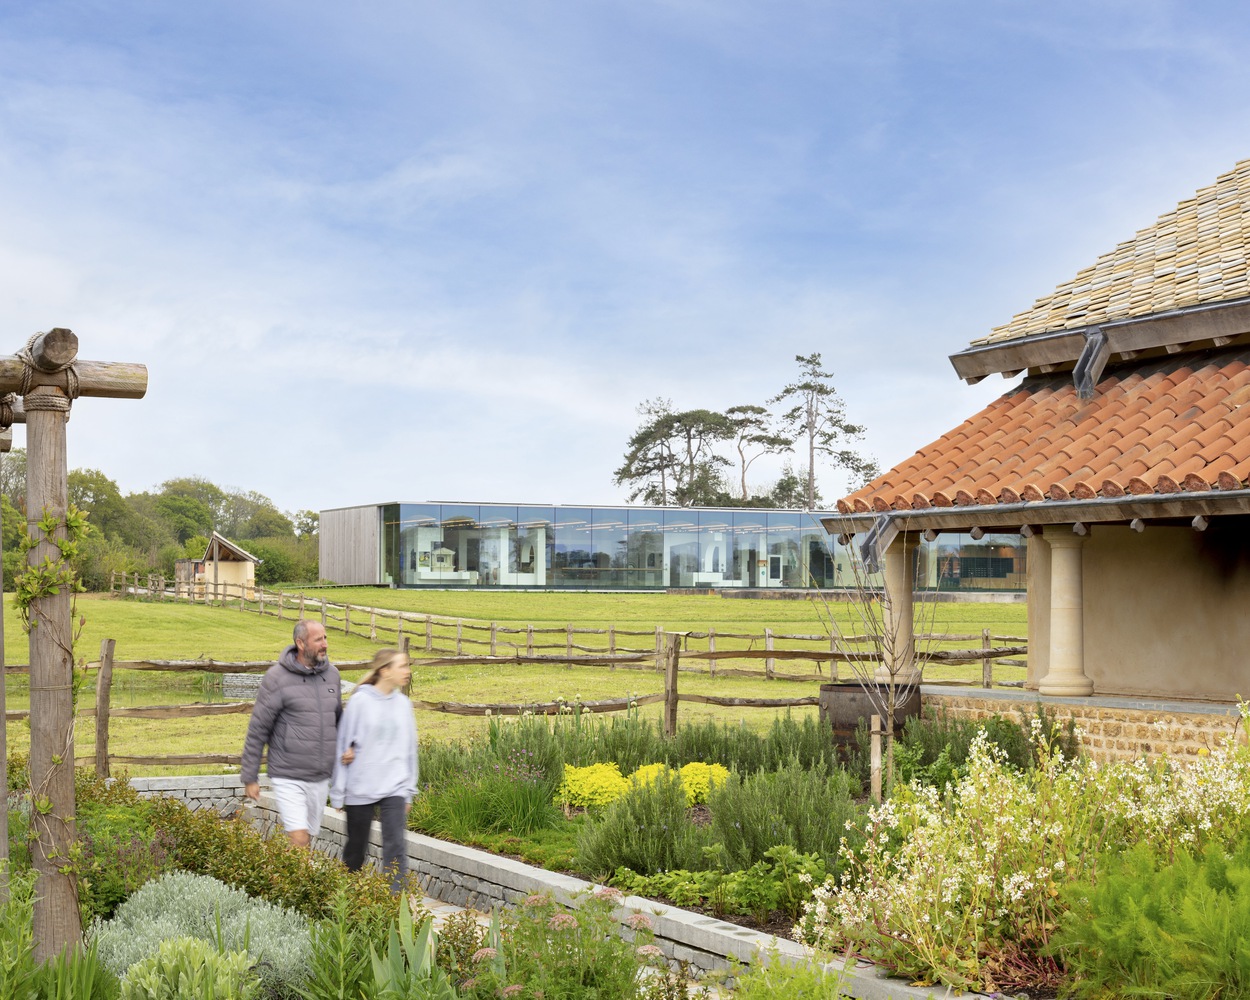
x=459, y=640
x=673, y=650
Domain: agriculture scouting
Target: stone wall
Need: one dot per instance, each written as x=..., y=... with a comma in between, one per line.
x=1111, y=728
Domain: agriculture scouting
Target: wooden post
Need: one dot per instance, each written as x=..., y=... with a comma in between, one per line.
x=987, y=664
x=612, y=643
x=301, y=606
x=493, y=626
x=280, y=605
x=672, y=656
x=568, y=641
x=711, y=648
x=347, y=619
x=103, y=689
x=400, y=638
x=459, y=635
x=833, y=661
x=260, y=602
x=770, y=662
x=529, y=640
x=659, y=648
x=429, y=634
x=373, y=625
x=48, y=374
x=403, y=644
x=323, y=612
x=875, y=758
x=112, y=580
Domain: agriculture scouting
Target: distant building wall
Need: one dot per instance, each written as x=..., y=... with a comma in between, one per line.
x=350, y=545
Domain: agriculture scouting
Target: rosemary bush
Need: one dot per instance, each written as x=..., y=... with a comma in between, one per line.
x=648, y=830
x=807, y=810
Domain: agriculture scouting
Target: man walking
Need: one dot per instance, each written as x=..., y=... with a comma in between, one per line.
x=296, y=712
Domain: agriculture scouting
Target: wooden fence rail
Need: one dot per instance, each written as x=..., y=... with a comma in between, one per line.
x=672, y=652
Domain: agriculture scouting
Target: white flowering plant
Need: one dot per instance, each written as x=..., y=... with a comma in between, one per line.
x=966, y=889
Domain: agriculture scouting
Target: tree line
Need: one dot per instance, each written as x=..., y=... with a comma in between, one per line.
x=148, y=532
x=685, y=457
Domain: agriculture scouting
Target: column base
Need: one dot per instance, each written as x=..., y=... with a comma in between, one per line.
x=1066, y=687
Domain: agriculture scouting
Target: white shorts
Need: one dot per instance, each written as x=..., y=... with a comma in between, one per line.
x=300, y=803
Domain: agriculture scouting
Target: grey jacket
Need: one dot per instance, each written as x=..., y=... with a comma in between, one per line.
x=296, y=712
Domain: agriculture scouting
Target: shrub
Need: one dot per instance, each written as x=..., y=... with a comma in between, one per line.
x=773, y=979
x=270, y=868
x=190, y=969
x=458, y=941
x=339, y=949
x=648, y=829
x=965, y=889
x=1158, y=926
x=541, y=949
x=17, y=938
x=700, y=779
x=807, y=810
x=591, y=787
x=118, y=852
x=511, y=795
x=182, y=905
x=76, y=974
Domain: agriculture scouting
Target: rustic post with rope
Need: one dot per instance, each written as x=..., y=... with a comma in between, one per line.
x=48, y=375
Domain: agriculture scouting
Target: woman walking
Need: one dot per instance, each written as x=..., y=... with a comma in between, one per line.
x=376, y=767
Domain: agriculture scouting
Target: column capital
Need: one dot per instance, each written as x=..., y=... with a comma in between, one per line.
x=1061, y=536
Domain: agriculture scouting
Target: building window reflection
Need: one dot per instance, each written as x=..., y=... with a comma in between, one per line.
x=658, y=548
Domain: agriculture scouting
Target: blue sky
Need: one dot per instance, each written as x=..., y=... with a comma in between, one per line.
x=441, y=251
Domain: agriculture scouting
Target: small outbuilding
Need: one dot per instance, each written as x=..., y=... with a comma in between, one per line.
x=226, y=571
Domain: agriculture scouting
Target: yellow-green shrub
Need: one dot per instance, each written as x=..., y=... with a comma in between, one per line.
x=698, y=779
x=594, y=786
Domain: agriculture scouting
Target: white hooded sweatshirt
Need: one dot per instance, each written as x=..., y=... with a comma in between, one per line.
x=382, y=731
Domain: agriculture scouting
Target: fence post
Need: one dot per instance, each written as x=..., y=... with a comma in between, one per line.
x=568, y=641
x=611, y=645
x=403, y=644
x=260, y=596
x=987, y=664
x=347, y=619
x=768, y=644
x=459, y=635
x=429, y=634
x=833, y=661
x=400, y=639
x=301, y=605
x=323, y=612
x=492, y=638
x=279, y=605
x=875, y=766
x=373, y=625
x=103, y=685
x=659, y=648
x=529, y=640
x=672, y=655
x=711, y=648
x=112, y=580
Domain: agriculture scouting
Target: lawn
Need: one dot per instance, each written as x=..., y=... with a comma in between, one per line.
x=179, y=631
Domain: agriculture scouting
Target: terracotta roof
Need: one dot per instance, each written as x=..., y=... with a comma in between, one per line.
x=1172, y=424
x=1197, y=254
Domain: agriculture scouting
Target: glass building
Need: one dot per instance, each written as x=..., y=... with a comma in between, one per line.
x=655, y=548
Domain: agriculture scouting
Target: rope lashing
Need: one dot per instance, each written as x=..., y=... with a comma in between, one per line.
x=27, y=359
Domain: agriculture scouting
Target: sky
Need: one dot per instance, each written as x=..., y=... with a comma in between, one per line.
x=442, y=251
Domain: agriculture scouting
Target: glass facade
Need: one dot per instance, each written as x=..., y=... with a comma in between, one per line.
x=660, y=548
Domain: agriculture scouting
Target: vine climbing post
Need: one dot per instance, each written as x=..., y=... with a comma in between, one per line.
x=49, y=376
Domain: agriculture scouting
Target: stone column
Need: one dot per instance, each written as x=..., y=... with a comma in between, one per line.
x=1066, y=676
x=898, y=614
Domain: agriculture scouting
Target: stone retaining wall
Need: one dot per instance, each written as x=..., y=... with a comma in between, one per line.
x=1111, y=728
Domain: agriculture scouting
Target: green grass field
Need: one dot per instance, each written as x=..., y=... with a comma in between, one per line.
x=151, y=630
